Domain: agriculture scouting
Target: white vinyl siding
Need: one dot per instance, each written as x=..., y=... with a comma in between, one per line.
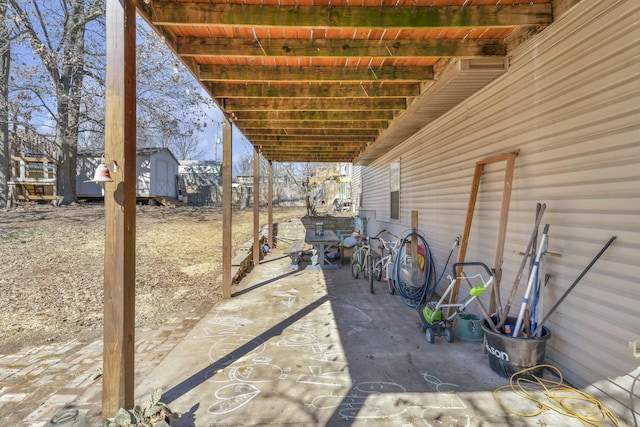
x=570, y=103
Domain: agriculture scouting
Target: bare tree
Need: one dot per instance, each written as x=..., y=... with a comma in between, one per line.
x=61, y=84
x=5, y=65
x=184, y=147
x=171, y=104
x=60, y=46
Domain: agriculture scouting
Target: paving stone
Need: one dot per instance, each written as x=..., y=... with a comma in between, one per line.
x=50, y=408
x=13, y=397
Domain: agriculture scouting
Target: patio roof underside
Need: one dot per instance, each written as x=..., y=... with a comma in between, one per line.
x=341, y=81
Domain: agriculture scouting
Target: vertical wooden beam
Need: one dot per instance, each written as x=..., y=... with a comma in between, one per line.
x=495, y=303
x=256, y=207
x=414, y=239
x=226, y=207
x=270, y=205
x=475, y=185
x=414, y=220
x=120, y=208
x=462, y=252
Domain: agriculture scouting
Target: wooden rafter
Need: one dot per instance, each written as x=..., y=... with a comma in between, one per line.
x=239, y=73
x=241, y=15
x=309, y=132
x=307, y=90
x=322, y=104
x=339, y=48
x=313, y=124
x=314, y=115
x=289, y=139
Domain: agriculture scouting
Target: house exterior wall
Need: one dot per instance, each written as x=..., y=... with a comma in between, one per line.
x=570, y=103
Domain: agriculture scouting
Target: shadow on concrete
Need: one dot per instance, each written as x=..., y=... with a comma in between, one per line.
x=201, y=376
x=261, y=284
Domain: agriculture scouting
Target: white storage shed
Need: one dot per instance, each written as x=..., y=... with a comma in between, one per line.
x=156, y=174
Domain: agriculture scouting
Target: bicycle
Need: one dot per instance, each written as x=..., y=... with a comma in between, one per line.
x=362, y=260
x=386, y=263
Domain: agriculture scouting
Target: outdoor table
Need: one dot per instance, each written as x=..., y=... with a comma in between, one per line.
x=322, y=243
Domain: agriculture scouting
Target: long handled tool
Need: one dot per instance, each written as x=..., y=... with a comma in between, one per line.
x=540, y=208
x=532, y=278
x=573, y=285
x=537, y=291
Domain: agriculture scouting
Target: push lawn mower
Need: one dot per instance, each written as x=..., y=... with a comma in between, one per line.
x=434, y=321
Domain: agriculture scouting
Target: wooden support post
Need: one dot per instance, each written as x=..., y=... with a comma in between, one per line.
x=270, y=207
x=414, y=239
x=256, y=207
x=120, y=208
x=226, y=207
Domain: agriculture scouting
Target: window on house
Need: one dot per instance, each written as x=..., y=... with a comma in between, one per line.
x=394, y=187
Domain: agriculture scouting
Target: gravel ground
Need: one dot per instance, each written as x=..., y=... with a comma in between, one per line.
x=51, y=274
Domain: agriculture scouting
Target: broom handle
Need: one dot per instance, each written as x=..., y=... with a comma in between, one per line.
x=532, y=277
x=573, y=285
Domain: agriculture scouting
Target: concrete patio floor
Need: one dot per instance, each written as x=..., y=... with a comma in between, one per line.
x=291, y=347
x=315, y=347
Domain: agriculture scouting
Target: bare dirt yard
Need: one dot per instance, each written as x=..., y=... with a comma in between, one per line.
x=52, y=263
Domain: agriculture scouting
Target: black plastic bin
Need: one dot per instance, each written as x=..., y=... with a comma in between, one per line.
x=508, y=355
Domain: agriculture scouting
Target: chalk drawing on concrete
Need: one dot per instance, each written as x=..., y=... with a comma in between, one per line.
x=223, y=325
x=441, y=387
x=231, y=397
x=318, y=376
x=384, y=400
x=234, y=348
x=289, y=302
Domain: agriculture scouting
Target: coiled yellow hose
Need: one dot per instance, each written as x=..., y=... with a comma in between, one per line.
x=556, y=396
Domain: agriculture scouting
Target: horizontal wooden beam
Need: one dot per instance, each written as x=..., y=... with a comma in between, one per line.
x=290, y=144
x=374, y=115
x=257, y=74
x=306, y=158
x=373, y=17
x=249, y=132
x=309, y=148
x=305, y=104
x=306, y=90
x=321, y=139
x=303, y=124
x=311, y=156
x=340, y=48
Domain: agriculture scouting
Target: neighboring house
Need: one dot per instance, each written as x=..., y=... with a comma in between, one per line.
x=156, y=174
x=570, y=103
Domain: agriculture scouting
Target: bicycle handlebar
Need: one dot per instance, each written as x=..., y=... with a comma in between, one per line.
x=481, y=264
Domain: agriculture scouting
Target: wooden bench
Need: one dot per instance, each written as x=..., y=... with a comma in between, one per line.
x=295, y=250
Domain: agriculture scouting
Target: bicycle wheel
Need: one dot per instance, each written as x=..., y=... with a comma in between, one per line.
x=391, y=284
x=390, y=273
x=369, y=273
x=377, y=268
x=364, y=267
x=355, y=264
